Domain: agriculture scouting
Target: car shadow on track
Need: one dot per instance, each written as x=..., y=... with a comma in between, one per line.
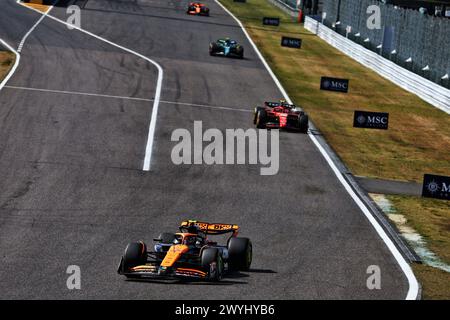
x=230, y=57
x=262, y=271
x=223, y=282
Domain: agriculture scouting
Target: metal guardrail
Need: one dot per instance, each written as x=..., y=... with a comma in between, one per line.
x=427, y=90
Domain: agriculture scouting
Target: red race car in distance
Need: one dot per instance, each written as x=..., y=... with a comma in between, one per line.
x=281, y=115
x=197, y=8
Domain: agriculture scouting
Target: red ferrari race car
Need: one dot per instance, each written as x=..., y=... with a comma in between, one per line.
x=197, y=8
x=281, y=115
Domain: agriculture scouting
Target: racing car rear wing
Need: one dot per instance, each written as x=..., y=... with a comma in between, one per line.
x=211, y=228
x=277, y=104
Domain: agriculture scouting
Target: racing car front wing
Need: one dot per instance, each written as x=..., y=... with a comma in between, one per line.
x=153, y=271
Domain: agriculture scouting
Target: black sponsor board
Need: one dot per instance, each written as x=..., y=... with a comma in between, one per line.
x=291, y=42
x=437, y=187
x=334, y=84
x=269, y=21
x=371, y=120
x=239, y=0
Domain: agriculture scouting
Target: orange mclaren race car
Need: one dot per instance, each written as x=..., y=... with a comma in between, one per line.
x=198, y=8
x=188, y=254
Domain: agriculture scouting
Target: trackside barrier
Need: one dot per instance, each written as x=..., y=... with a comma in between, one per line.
x=427, y=90
x=293, y=12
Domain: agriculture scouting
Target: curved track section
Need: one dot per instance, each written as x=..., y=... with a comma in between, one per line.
x=73, y=192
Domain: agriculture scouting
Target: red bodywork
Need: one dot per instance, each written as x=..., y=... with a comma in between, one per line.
x=280, y=115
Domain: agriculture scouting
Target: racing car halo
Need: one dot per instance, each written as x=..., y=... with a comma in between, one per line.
x=281, y=115
x=188, y=254
x=226, y=47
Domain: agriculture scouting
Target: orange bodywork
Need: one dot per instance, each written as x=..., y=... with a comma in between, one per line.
x=197, y=7
x=191, y=271
x=212, y=228
x=173, y=254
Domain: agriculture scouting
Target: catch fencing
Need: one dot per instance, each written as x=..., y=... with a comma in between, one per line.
x=415, y=41
x=429, y=91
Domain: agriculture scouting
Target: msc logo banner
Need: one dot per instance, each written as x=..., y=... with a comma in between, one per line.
x=371, y=120
x=291, y=42
x=271, y=21
x=437, y=187
x=334, y=84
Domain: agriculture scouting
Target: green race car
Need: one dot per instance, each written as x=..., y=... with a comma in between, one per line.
x=226, y=47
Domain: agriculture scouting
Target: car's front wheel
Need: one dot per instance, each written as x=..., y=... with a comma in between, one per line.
x=212, y=49
x=261, y=117
x=303, y=123
x=135, y=254
x=255, y=113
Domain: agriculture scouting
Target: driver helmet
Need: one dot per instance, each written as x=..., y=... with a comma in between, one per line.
x=193, y=229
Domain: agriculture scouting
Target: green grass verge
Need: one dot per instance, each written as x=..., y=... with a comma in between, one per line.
x=431, y=218
x=416, y=142
x=6, y=62
x=435, y=282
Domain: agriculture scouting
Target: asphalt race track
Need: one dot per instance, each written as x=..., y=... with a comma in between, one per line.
x=72, y=187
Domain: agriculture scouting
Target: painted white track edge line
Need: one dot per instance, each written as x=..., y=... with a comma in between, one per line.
x=406, y=268
x=152, y=126
x=14, y=68
x=22, y=42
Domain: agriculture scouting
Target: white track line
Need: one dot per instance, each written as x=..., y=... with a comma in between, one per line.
x=406, y=268
x=14, y=68
x=32, y=29
x=196, y=105
x=17, y=53
x=79, y=93
x=152, y=126
x=206, y=106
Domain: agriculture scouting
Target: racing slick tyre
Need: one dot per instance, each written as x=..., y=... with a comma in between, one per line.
x=167, y=237
x=261, y=118
x=256, y=113
x=212, y=48
x=239, y=254
x=135, y=255
x=240, y=52
x=213, y=262
x=303, y=123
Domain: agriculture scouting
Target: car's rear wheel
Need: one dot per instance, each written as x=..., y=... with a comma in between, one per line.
x=303, y=123
x=213, y=262
x=240, y=254
x=135, y=255
x=261, y=118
